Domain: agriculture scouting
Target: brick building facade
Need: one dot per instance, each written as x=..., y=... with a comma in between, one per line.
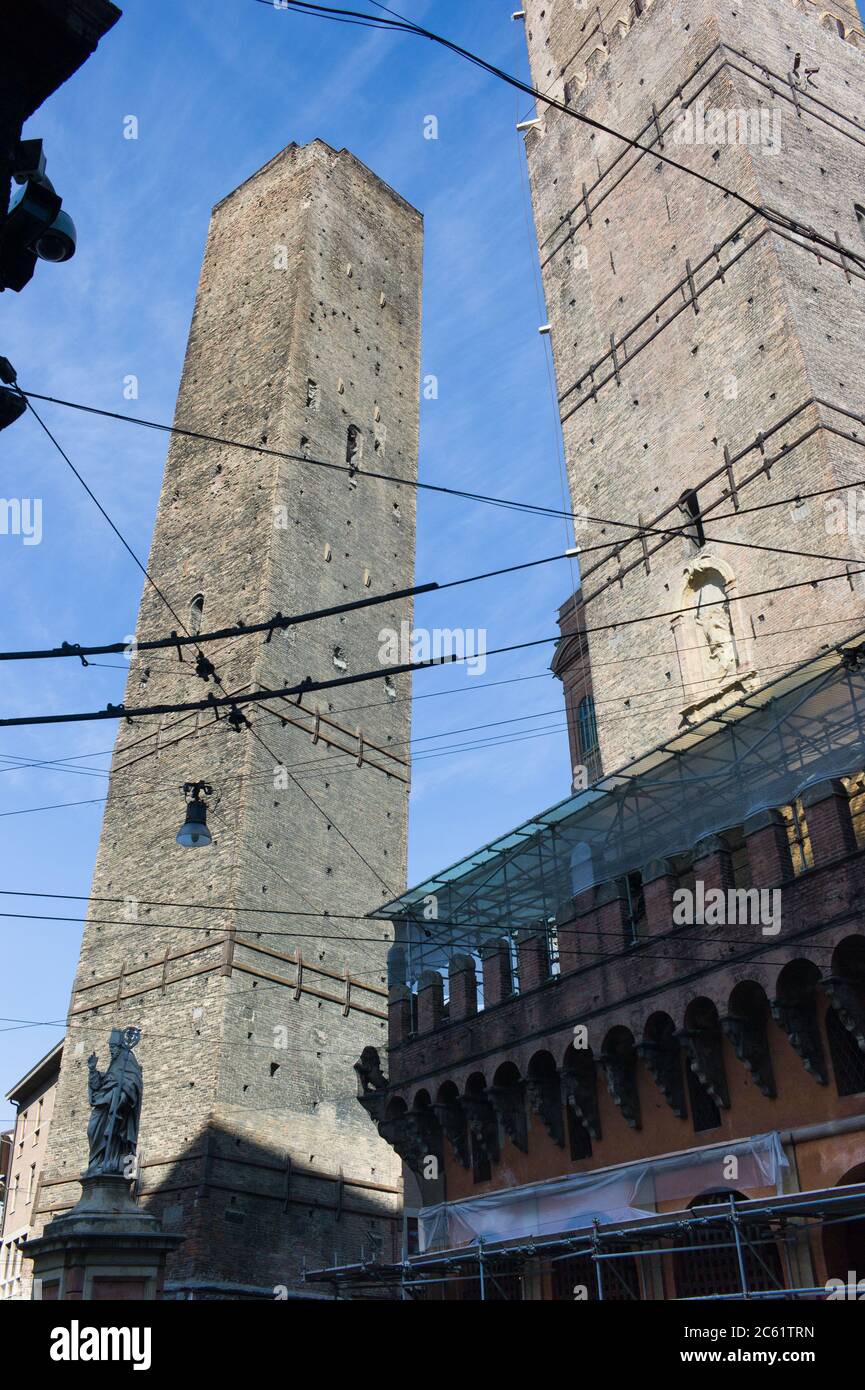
x=34, y=1097
x=604, y=1089
x=538, y=1072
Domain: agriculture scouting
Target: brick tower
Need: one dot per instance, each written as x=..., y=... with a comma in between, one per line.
x=706, y=357
x=305, y=338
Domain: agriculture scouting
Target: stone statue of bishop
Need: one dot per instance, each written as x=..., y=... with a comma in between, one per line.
x=115, y=1098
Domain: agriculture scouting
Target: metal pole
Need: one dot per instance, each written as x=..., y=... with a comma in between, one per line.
x=481, y=1269
x=599, y=1280
x=743, y=1277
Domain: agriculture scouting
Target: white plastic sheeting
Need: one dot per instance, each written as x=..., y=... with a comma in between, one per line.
x=615, y=1195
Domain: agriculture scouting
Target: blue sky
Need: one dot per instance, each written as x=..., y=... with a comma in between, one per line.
x=217, y=90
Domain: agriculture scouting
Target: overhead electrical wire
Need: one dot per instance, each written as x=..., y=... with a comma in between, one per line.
x=203, y=1039
x=215, y=703
x=279, y=622
x=352, y=17
x=531, y=508
x=338, y=764
x=57, y=764
x=471, y=935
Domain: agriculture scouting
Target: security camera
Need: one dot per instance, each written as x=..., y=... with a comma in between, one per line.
x=36, y=227
x=58, y=242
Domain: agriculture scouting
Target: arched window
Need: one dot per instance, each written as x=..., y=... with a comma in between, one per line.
x=587, y=732
x=844, y=1241
x=196, y=614
x=582, y=874
x=848, y=1059
x=711, y=1266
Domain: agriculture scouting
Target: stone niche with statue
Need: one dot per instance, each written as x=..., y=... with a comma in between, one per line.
x=106, y=1246
x=712, y=646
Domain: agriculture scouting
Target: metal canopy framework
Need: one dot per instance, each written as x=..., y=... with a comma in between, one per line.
x=761, y=752
x=745, y=1226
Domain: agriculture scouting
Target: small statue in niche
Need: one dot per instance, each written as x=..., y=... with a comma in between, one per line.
x=707, y=589
x=720, y=655
x=115, y=1099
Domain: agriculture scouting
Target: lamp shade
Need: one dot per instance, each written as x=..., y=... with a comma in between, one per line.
x=194, y=834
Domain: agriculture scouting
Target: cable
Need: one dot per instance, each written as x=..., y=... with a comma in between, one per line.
x=227, y=699
x=469, y=934
x=277, y=623
x=280, y=622
x=328, y=766
x=123, y=541
x=204, y=1040
x=212, y=671
x=616, y=548
x=408, y=26
x=531, y=508
x=54, y=764
x=183, y=926
x=307, y=687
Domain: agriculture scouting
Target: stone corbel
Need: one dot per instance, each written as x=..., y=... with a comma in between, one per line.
x=545, y=1098
x=509, y=1103
x=415, y=1136
x=482, y=1123
x=799, y=1020
x=372, y=1084
x=664, y=1062
x=581, y=1094
x=849, y=1006
x=375, y=1105
x=706, y=1060
x=452, y=1120
x=747, y=1037
x=620, y=1069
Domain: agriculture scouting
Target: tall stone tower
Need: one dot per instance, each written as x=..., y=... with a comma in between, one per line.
x=305, y=339
x=708, y=358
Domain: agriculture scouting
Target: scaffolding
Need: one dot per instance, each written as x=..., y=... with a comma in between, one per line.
x=760, y=752
x=748, y=1227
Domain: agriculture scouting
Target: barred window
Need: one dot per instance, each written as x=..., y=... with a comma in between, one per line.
x=620, y=1279
x=848, y=1059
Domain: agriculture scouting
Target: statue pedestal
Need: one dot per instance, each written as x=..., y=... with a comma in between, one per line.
x=104, y=1248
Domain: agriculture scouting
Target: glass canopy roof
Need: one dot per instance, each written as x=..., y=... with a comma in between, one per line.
x=758, y=753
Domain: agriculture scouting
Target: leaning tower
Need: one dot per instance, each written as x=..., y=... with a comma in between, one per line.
x=707, y=352
x=247, y=964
